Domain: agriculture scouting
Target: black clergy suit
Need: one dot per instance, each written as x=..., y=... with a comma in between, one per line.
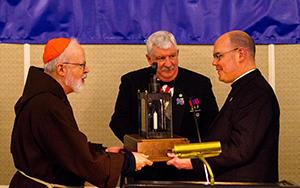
x=248, y=128
x=188, y=84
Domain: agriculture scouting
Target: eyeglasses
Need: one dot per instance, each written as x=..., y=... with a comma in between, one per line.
x=220, y=55
x=160, y=59
x=80, y=64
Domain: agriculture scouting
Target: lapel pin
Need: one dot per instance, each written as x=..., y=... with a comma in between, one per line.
x=180, y=100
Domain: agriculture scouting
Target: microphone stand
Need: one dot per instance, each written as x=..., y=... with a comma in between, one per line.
x=199, y=138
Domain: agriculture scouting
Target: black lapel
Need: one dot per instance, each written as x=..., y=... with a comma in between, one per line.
x=179, y=93
x=178, y=107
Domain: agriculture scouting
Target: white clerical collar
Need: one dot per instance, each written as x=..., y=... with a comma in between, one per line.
x=243, y=75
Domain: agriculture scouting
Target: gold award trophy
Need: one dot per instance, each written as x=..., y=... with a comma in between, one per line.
x=155, y=136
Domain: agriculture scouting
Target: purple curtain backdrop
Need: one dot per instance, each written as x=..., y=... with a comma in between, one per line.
x=132, y=21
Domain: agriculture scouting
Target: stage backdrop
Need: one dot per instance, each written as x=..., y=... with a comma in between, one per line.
x=132, y=21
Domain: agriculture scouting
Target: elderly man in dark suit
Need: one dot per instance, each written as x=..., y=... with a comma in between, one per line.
x=248, y=123
x=184, y=84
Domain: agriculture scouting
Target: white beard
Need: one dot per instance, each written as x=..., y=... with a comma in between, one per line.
x=76, y=85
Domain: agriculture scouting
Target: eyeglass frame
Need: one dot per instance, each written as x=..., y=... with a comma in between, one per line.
x=83, y=65
x=220, y=55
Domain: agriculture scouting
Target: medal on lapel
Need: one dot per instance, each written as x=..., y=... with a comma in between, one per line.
x=195, y=105
x=180, y=100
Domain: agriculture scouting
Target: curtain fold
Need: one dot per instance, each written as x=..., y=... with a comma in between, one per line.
x=132, y=21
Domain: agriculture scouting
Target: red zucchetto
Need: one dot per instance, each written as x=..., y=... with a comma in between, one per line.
x=54, y=48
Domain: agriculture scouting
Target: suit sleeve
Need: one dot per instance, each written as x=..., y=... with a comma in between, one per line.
x=56, y=132
x=122, y=121
x=246, y=124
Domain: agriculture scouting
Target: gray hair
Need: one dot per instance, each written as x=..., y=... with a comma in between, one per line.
x=63, y=57
x=161, y=39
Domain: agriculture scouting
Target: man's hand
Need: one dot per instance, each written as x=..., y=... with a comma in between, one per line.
x=115, y=149
x=141, y=160
x=180, y=163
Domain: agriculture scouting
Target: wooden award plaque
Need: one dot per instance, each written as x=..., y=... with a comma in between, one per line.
x=156, y=148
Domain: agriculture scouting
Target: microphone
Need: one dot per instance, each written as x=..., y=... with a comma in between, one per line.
x=154, y=86
x=199, y=150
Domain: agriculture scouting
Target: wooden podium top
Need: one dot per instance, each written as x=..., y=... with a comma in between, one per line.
x=157, y=149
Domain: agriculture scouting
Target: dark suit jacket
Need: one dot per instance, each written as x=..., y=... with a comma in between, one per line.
x=187, y=83
x=248, y=128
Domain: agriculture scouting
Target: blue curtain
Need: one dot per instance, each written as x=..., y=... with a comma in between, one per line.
x=132, y=21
